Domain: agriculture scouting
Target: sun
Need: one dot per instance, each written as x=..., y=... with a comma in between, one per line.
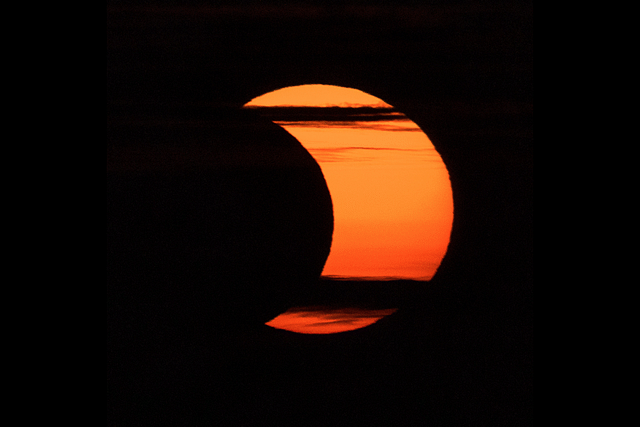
x=317, y=96
x=391, y=192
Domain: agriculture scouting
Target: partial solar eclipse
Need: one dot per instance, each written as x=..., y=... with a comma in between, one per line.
x=390, y=189
x=391, y=193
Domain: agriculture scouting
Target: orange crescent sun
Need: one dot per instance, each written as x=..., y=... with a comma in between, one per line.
x=391, y=193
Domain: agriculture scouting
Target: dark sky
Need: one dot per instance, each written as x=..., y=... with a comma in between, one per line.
x=459, y=352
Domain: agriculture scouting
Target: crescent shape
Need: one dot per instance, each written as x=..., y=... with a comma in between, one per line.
x=391, y=193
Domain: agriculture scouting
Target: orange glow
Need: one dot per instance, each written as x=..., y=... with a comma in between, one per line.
x=325, y=320
x=316, y=96
x=391, y=193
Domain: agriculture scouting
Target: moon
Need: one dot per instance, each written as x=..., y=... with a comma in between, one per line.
x=210, y=224
x=390, y=189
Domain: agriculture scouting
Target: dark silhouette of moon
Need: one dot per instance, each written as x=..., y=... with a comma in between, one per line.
x=214, y=222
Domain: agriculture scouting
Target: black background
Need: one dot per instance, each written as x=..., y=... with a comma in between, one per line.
x=459, y=351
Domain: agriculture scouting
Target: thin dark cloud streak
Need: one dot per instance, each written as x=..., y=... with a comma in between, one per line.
x=330, y=114
x=394, y=126
x=338, y=149
x=354, y=154
x=340, y=313
x=335, y=322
